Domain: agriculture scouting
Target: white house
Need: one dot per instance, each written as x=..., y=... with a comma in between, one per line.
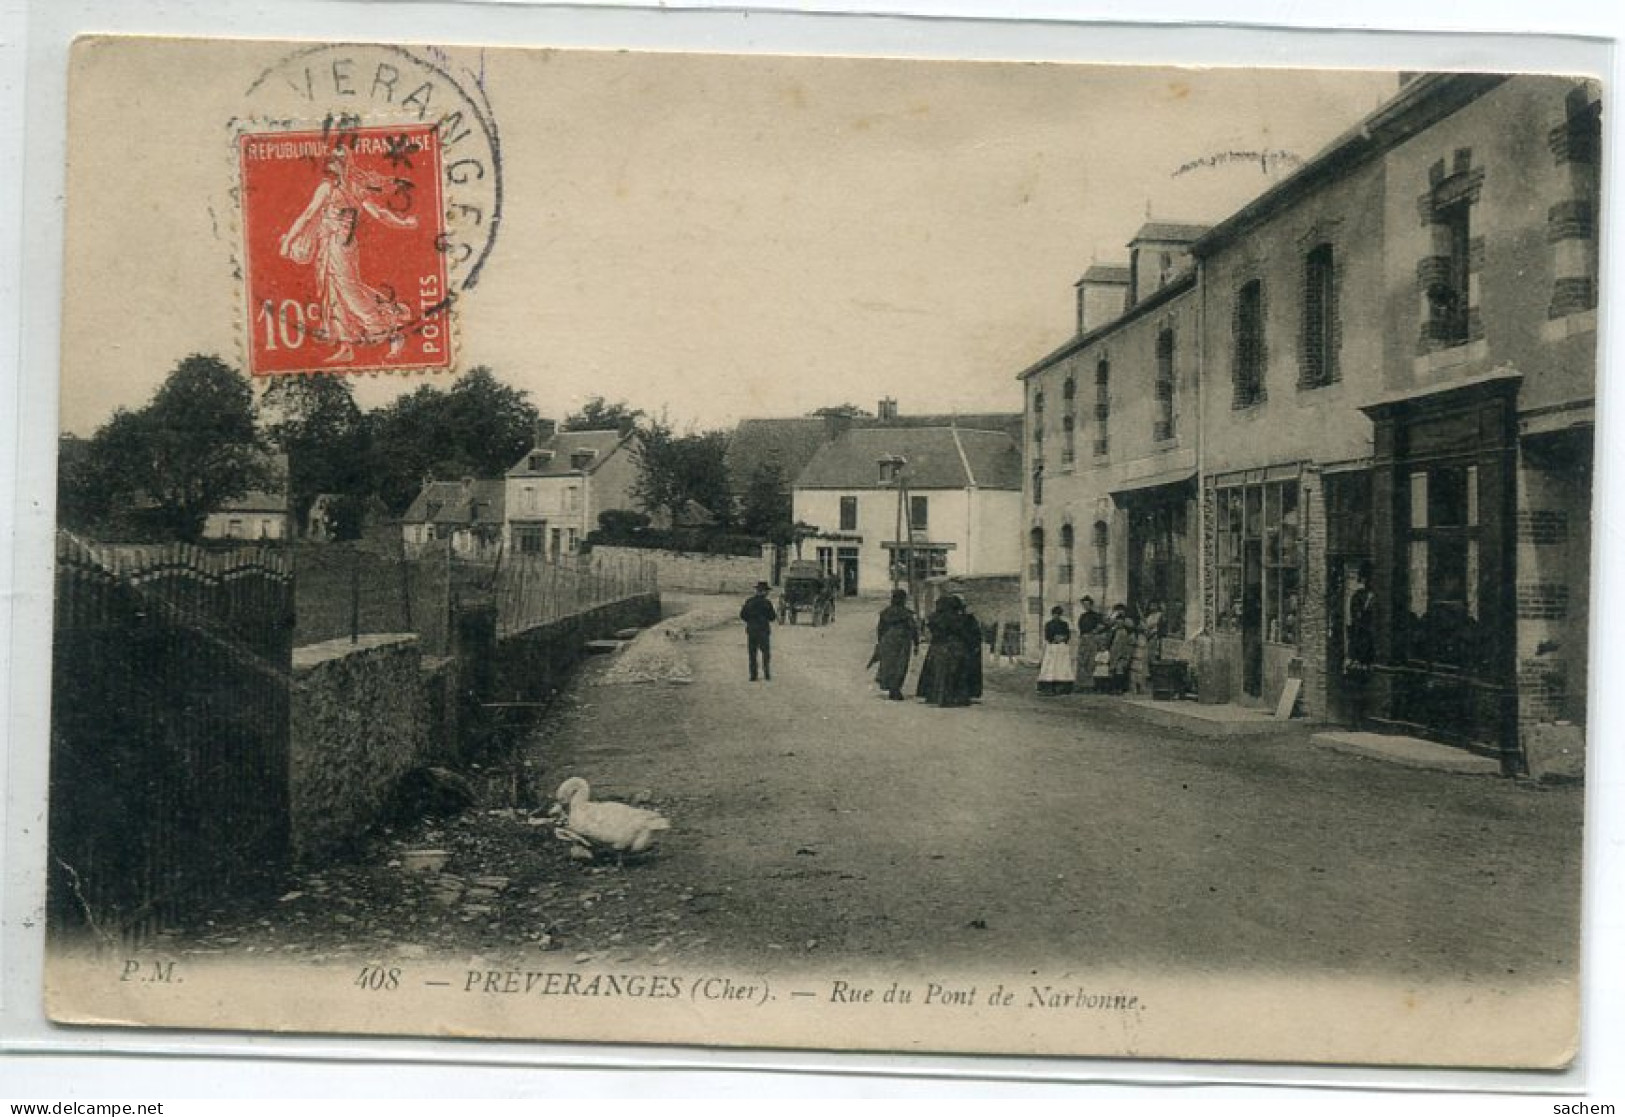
x=958, y=510
x=254, y=515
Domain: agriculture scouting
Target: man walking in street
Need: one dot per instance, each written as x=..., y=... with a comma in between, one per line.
x=759, y=615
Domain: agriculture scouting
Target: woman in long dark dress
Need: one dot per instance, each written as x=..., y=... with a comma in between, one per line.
x=896, y=638
x=973, y=636
x=950, y=684
x=929, y=683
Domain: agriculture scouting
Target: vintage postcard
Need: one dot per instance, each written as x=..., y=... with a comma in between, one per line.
x=842, y=553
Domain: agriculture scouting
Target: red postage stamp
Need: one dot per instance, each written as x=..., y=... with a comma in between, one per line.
x=344, y=238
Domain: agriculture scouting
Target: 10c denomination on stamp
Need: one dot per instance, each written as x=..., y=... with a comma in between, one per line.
x=344, y=241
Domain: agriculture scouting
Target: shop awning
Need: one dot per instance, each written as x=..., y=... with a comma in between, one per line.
x=1501, y=379
x=1140, y=486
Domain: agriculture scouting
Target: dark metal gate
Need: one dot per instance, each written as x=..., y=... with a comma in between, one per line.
x=169, y=731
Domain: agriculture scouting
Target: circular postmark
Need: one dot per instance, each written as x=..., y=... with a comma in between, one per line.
x=369, y=193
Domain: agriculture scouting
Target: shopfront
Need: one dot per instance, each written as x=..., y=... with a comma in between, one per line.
x=1258, y=577
x=1160, y=550
x=1443, y=573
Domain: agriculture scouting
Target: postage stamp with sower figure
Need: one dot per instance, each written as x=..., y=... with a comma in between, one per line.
x=344, y=250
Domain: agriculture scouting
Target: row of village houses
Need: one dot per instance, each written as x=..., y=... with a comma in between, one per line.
x=1372, y=384
x=961, y=510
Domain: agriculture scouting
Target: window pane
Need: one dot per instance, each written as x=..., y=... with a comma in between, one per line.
x=1229, y=599
x=1419, y=500
x=1290, y=605
x=1447, y=571
x=1272, y=607
x=1472, y=496
x=1447, y=498
x=1418, y=577
x=1472, y=578
x=917, y=513
x=1254, y=519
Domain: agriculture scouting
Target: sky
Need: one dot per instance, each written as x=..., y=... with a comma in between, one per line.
x=714, y=236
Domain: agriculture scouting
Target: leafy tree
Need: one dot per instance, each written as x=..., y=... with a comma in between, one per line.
x=478, y=428
x=315, y=421
x=674, y=469
x=597, y=415
x=493, y=424
x=850, y=410
x=192, y=448
x=800, y=532
x=765, y=510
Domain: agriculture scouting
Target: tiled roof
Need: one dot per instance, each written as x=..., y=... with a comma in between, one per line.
x=755, y=442
x=255, y=500
x=793, y=442
x=564, y=445
x=449, y=502
x=1106, y=273
x=1170, y=231
x=938, y=458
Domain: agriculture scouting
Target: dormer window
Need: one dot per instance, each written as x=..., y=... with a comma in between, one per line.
x=581, y=459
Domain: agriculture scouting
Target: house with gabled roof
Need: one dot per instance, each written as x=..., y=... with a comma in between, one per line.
x=468, y=512
x=957, y=512
x=556, y=492
x=257, y=514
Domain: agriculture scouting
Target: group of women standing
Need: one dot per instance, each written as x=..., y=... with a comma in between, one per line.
x=951, y=674
x=1113, y=654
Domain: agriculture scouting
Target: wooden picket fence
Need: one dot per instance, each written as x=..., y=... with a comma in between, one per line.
x=530, y=590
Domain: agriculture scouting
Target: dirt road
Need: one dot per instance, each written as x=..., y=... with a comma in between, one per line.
x=813, y=816
x=816, y=824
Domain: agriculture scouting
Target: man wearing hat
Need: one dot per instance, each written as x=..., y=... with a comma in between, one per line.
x=758, y=614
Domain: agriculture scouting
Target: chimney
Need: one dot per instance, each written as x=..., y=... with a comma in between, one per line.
x=886, y=410
x=836, y=423
x=468, y=485
x=1103, y=295
x=626, y=425
x=545, y=430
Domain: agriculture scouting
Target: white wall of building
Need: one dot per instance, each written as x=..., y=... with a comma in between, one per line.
x=982, y=524
x=245, y=525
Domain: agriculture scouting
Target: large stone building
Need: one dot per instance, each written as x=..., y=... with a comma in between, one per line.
x=1110, y=492
x=1388, y=400
x=555, y=493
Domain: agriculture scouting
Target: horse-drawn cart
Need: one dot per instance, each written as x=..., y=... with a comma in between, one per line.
x=807, y=590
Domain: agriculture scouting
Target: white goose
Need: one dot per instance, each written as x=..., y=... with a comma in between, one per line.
x=613, y=826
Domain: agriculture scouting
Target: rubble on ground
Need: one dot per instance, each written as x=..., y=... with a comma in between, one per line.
x=658, y=654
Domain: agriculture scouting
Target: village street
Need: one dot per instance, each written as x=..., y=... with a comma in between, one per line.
x=813, y=821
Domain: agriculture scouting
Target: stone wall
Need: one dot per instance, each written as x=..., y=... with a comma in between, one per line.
x=700, y=573
x=365, y=714
x=358, y=723
x=994, y=598
x=529, y=666
x=1553, y=601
